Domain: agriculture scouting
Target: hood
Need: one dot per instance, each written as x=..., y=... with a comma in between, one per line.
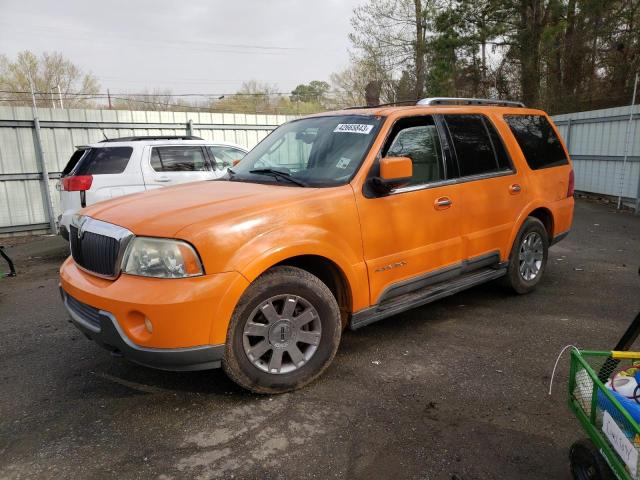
x=166, y=211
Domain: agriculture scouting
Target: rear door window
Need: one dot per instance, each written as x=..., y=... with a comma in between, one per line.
x=477, y=145
x=104, y=160
x=224, y=156
x=73, y=161
x=538, y=141
x=417, y=138
x=179, y=158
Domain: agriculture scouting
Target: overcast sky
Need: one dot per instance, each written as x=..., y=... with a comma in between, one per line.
x=195, y=46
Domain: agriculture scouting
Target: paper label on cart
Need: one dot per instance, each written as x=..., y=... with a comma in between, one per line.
x=353, y=128
x=621, y=444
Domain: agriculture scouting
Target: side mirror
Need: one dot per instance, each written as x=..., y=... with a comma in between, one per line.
x=235, y=162
x=394, y=172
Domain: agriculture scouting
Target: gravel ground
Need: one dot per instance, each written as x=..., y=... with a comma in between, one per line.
x=453, y=390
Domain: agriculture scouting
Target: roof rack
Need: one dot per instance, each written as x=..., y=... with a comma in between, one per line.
x=469, y=101
x=151, y=137
x=401, y=102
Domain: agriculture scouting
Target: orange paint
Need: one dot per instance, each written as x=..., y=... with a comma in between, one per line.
x=395, y=167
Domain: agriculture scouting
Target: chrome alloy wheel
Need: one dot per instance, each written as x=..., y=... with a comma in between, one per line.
x=531, y=256
x=282, y=334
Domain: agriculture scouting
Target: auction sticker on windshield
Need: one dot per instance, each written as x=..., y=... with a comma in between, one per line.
x=354, y=128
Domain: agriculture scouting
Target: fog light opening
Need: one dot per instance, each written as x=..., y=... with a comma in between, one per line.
x=148, y=325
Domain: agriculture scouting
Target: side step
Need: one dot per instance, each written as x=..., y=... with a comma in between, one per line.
x=423, y=296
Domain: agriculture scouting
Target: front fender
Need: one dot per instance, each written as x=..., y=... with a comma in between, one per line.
x=275, y=246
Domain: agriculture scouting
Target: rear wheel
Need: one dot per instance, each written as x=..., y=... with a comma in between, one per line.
x=587, y=463
x=284, y=332
x=528, y=257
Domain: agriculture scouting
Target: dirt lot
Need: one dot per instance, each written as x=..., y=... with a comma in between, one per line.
x=453, y=390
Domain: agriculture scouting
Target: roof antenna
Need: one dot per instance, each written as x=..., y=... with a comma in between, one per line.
x=105, y=136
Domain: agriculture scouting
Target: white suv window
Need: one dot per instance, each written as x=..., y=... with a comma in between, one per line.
x=224, y=156
x=178, y=159
x=97, y=161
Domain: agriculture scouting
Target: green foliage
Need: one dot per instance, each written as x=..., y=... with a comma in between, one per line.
x=259, y=97
x=561, y=55
x=314, y=91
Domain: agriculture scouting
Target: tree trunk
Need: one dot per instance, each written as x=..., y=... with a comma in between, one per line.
x=420, y=50
x=554, y=99
x=529, y=37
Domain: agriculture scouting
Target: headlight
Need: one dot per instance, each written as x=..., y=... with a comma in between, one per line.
x=161, y=258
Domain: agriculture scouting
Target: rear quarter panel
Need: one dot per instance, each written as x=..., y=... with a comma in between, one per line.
x=544, y=188
x=108, y=186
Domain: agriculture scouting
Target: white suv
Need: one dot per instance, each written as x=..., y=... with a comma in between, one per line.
x=121, y=166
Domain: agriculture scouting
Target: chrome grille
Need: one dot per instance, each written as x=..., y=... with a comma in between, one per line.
x=98, y=246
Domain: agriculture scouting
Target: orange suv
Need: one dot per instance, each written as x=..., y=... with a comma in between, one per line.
x=334, y=220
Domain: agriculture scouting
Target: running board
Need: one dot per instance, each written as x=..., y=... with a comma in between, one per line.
x=423, y=296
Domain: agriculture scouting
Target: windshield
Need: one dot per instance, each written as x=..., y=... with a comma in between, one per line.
x=317, y=152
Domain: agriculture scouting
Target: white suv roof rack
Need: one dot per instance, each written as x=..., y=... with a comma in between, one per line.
x=469, y=101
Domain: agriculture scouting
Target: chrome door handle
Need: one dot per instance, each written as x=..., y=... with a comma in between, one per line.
x=163, y=179
x=443, y=202
x=515, y=188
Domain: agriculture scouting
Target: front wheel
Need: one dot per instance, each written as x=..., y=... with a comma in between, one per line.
x=283, y=333
x=528, y=257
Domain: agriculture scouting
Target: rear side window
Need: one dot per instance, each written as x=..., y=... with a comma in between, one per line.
x=477, y=145
x=178, y=159
x=105, y=160
x=73, y=161
x=224, y=156
x=538, y=141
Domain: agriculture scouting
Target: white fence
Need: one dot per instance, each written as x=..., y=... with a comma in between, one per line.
x=596, y=141
x=23, y=198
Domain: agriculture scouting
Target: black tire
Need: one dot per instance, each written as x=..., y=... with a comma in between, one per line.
x=587, y=463
x=312, y=294
x=514, y=279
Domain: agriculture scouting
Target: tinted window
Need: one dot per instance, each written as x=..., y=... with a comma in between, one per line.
x=473, y=146
x=224, y=156
x=539, y=143
x=178, y=159
x=417, y=138
x=105, y=160
x=504, y=161
x=73, y=161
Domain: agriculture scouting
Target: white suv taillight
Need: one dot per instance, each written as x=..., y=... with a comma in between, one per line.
x=77, y=183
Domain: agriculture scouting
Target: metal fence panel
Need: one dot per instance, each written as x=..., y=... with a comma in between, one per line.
x=23, y=204
x=596, y=142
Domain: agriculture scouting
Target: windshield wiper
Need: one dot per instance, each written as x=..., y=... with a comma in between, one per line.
x=278, y=174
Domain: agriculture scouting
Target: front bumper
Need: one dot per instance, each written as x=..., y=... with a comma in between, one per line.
x=103, y=328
